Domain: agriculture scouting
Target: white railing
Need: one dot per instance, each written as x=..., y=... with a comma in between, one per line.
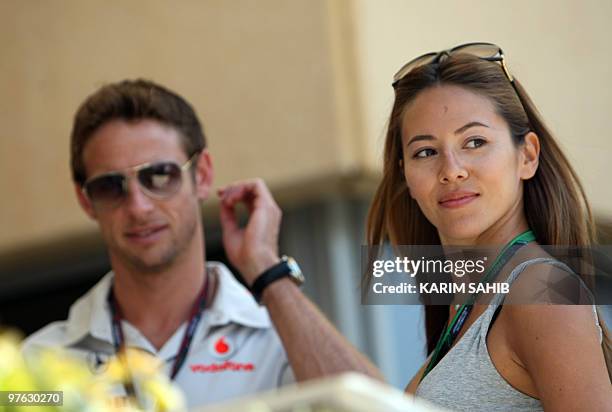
x=350, y=392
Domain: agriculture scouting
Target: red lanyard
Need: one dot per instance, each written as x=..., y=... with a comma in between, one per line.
x=194, y=319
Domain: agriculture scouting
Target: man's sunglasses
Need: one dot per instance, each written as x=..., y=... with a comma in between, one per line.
x=157, y=180
x=486, y=51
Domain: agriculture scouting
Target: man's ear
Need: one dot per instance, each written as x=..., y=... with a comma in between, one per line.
x=204, y=175
x=530, y=156
x=84, y=202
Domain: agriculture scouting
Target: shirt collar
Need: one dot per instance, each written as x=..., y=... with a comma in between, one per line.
x=91, y=314
x=232, y=303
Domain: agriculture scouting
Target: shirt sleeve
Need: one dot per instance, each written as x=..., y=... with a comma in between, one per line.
x=285, y=376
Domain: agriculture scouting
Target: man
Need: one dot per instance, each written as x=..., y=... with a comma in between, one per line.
x=140, y=168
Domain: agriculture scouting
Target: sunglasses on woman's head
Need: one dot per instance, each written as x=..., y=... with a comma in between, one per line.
x=157, y=180
x=485, y=51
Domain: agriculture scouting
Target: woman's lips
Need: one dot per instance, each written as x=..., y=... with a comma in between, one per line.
x=455, y=201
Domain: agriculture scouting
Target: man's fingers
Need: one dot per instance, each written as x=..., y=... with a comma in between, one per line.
x=261, y=191
x=254, y=193
x=234, y=194
x=229, y=222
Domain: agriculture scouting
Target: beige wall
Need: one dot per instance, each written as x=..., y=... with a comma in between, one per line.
x=294, y=91
x=261, y=74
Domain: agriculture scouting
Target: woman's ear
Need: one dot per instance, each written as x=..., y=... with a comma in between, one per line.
x=530, y=156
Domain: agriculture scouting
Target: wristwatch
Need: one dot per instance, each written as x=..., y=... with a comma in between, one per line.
x=287, y=267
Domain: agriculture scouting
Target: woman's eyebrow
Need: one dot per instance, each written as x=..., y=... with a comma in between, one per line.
x=467, y=126
x=428, y=137
x=419, y=137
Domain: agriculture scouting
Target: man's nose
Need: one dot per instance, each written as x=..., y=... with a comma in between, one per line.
x=453, y=168
x=137, y=201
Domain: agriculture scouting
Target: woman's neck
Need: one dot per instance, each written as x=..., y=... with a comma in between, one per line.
x=498, y=234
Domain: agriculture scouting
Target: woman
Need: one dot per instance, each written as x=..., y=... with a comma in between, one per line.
x=468, y=161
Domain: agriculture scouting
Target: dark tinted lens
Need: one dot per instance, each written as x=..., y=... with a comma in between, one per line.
x=419, y=61
x=105, y=189
x=483, y=50
x=161, y=179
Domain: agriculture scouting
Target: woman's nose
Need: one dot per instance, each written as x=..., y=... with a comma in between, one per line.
x=452, y=169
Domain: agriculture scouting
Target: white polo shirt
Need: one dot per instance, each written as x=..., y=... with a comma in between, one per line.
x=235, y=350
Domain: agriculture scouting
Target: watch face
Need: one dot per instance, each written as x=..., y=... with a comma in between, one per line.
x=295, y=271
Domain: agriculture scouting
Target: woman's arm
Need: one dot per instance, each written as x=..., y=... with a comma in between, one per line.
x=559, y=347
x=414, y=382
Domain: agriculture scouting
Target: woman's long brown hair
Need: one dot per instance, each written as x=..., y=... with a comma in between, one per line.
x=551, y=199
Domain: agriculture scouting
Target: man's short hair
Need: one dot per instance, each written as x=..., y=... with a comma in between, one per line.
x=133, y=100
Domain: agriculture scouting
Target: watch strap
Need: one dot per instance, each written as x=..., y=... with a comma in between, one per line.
x=276, y=272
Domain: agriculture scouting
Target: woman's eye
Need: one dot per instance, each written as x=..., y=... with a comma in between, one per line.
x=474, y=143
x=424, y=153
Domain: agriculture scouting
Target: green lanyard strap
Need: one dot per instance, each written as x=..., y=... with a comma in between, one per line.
x=452, y=330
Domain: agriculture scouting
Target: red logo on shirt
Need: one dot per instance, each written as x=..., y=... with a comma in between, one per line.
x=221, y=367
x=221, y=346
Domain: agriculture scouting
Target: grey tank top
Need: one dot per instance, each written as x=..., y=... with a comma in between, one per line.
x=466, y=379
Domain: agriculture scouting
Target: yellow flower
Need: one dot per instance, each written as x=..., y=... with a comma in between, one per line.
x=55, y=370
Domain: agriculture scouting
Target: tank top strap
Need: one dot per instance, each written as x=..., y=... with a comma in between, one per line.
x=498, y=299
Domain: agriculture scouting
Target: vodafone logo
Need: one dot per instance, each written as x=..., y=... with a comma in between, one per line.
x=222, y=347
x=227, y=366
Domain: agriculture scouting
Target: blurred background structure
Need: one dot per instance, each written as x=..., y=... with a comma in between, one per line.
x=294, y=91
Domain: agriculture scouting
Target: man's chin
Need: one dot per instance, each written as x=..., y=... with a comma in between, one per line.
x=151, y=266
x=150, y=262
